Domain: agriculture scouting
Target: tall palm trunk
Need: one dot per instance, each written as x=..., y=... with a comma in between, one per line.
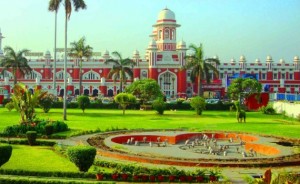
x=15, y=76
x=80, y=76
x=121, y=81
x=65, y=69
x=54, y=63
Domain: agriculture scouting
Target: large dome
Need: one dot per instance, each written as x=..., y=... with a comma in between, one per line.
x=166, y=14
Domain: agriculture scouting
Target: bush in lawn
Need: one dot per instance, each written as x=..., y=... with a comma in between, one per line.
x=82, y=156
x=198, y=103
x=31, y=136
x=46, y=102
x=159, y=105
x=49, y=128
x=267, y=109
x=59, y=126
x=5, y=153
x=83, y=102
x=10, y=106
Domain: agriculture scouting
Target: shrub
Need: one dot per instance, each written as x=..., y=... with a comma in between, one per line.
x=267, y=109
x=31, y=136
x=5, y=153
x=5, y=101
x=82, y=156
x=159, y=106
x=59, y=126
x=49, y=129
x=83, y=102
x=46, y=102
x=10, y=106
x=198, y=103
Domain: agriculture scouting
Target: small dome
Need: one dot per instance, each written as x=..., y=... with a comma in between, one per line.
x=296, y=58
x=242, y=58
x=269, y=58
x=47, y=53
x=136, y=52
x=181, y=44
x=152, y=44
x=281, y=61
x=216, y=57
x=232, y=60
x=257, y=60
x=166, y=14
x=106, y=52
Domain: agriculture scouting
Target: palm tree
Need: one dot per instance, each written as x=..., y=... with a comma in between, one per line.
x=15, y=61
x=54, y=6
x=79, y=50
x=120, y=68
x=77, y=4
x=200, y=67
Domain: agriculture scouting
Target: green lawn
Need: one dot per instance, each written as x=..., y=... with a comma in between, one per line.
x=210, y=120
x=37, y=158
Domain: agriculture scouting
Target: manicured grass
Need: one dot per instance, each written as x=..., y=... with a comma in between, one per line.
x=210, y=120
x=37, y=158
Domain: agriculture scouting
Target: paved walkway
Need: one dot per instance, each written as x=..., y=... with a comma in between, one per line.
x=235, y=175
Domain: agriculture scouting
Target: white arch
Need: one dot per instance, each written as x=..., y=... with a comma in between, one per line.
x=33, y=75
x=60, y=75
x=91, y=75
x=7, y=74
x=167, y=81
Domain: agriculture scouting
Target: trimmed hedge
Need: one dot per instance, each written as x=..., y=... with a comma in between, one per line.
x=25, y=142
x=14, y=130
x=39, y=181
x=82, y=156
x=5, y=153
x=47, y=173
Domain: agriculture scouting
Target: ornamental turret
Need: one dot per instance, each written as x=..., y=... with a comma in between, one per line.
x=165, y=30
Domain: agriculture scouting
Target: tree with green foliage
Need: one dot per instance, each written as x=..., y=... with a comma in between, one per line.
x=82, y=156
x=243, y=87
x=10, y=106
x=5, y=153
x=83, y=102
x=80, y=50
x=25, y=102
x=124, y=99
x=16, y=61
x=159, y=105
x=200, y=67
x=69, y=5
x=121, y=68
x=54, y=7
x=46, y=102
x=145, y=90
x=198, y=103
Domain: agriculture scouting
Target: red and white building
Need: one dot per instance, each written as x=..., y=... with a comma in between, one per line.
x=163, y=62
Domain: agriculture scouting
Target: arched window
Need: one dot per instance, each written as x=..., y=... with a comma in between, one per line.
x=60, y=75
x=33, y=75
x=168, y=84
x=160, y=34
x=167, y=34
x=91, y=75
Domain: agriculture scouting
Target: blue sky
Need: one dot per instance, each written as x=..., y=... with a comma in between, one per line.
x=227, y=28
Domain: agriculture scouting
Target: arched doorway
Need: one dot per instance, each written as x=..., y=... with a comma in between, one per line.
x=167, y=83
x=31, y=91
x=76, y=91
x=61, y=92
x=95, y=92
x=110, y=93
x=86, y=92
